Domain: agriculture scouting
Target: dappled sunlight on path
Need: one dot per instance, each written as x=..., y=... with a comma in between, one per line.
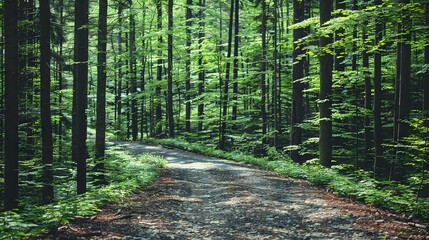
x=199, y=197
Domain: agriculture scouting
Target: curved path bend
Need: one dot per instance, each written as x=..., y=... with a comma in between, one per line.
x=199, y=197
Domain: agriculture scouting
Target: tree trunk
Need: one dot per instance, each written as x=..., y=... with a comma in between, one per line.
x=325, y=93
x=158, y=110
x=100, y=136
x=143, y=113
x=120, y=75
x=380, y=165
x=2, y=88
x=297, y=114
x=263, y=71
x=275, y=79
x=170, y=111
x=426, y=76
x=133, y=80
x=80, y=96
x=60, y=85
x=227, y=78
x=10, y=13
x=367, y=101
x=201, y=71
x=45, y=101
x=235, y=71
x=188, y=66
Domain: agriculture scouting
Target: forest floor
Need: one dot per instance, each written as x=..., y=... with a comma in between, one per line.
x=199, y=197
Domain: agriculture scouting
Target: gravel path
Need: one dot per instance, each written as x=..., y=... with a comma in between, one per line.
x=200, y=197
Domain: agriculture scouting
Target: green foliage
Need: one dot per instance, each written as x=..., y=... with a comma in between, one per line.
x=126, y=173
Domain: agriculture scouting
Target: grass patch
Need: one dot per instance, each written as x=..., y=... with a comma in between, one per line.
x=359, y=185
x=125, y=173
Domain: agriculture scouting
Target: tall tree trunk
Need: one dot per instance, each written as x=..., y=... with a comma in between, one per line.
x=403, y=82
x=100, y=135
x=127, y=78
x=45, y=101
x=325, y=93
x=380, y=164
x=235, y=71
x=120, y=75
x=60, y=85
x=133, y=80
x=368, y=94
x=10, y=13
x=275, y=78
x=297, y=114
x=30, y=60
x=227, y=78
x=356, y=119
x=201, y=71
x=170, y=111
x=143, y=116
x=80, y=95
x=2, y=88
x=188, y=66
x=264, y=71
x=426, y=76
x=24, y=92
x=424, y=189
x=158, y=110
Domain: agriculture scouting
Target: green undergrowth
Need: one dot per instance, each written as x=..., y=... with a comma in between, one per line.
x=126, y=173
x=358, y=185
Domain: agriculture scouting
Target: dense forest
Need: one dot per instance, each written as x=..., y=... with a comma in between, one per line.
x=343, y=84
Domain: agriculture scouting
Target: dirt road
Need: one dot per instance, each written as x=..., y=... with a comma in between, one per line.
x=200, y=197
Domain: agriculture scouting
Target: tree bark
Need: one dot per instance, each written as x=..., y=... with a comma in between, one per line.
x=325, y=93
x=80, y=95
x=235, y=62
x=405, y=75
x=188, y=66
x=227, y=78
x=426, y=76
x=158, y=110
x=170, y=111
x=10, y=13
x=100, y=136
x=274, y=101
x=263, y=71
x=368, y=95
x=133, y=79
x=120, y=75
x=379, y=162
x=297, y=111
x=201, y=71
x=45, y=101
